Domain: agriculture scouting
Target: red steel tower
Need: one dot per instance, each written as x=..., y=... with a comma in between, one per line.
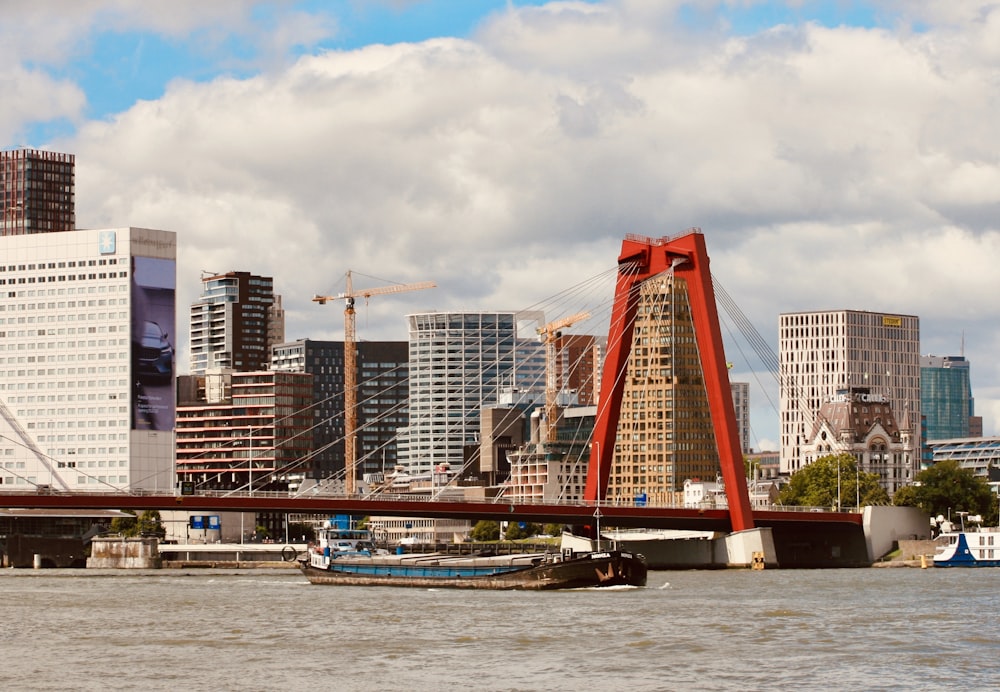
x=641, y=259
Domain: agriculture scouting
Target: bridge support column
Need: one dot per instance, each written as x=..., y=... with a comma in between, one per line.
x=740, y=547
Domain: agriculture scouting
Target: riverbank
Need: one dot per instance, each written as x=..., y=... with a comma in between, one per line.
x=911, y=553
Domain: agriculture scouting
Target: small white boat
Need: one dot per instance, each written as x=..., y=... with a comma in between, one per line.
x=970, y=547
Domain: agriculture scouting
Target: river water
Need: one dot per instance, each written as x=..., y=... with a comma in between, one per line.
x=863, y=629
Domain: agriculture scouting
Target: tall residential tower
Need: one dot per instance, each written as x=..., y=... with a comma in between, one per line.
x=36, y=192
x=665, y=433
x=232, y=323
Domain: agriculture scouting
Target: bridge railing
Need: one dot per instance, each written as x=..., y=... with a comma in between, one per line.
x=410, y=497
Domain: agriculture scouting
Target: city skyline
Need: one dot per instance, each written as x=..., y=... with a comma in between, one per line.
x=832, y=153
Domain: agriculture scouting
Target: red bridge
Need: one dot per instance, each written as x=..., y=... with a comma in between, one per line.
x=578, y=514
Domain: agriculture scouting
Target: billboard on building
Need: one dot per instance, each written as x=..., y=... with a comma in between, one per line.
x=153, y=353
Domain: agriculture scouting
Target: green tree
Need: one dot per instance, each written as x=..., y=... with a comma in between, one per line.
x=516, y=532
x=816, y=485
x=946, y=488
x=553, y=529
x=124, y=526
x=146, y=524
x=485, y=530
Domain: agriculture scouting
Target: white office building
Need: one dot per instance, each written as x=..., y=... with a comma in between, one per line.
x=87, y=360
x=831, y=354
x=460, y=362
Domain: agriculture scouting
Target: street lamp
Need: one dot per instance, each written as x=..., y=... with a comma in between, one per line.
x=857, y=485
x=838, y=484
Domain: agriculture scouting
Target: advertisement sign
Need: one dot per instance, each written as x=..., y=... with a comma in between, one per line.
x=153, y=355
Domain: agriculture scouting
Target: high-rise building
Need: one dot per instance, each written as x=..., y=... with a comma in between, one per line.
x=825, y=355
x=461, y=362
x=244, y=430
x=36, y=192
x=665, y=433
x=946, y=397
x=382, y=382
x=87, y=359
x=276, y=322
x=231, y=323
x=741, y=405
x=578, y=367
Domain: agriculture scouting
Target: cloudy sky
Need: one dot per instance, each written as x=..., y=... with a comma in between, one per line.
x=837, y=154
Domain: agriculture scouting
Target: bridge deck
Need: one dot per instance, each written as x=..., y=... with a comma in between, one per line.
x=578, y=513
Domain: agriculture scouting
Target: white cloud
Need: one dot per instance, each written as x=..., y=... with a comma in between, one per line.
x=30, y=95
x=829, y=168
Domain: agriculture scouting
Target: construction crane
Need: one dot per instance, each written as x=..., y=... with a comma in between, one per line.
x=350, y=364
x=550, y=335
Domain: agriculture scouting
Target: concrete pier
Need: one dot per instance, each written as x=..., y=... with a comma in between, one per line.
x=741, y=548
x=119, y=552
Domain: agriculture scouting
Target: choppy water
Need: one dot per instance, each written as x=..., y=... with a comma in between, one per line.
x=867, y=629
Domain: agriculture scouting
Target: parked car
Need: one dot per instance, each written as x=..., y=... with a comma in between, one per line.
x=154, y=354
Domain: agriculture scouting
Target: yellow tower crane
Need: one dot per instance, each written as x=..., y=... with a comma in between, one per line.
x=550, y=335
x=350, y=364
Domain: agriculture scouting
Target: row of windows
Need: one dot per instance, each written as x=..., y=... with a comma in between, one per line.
x=62, y=265
x=101, y=463
x=80, y=480
x=64, y=277
x=32, y=293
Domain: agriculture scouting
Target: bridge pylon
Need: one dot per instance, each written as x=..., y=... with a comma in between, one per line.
x=641, y=259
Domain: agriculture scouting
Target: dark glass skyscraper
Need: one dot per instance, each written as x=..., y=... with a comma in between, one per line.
x=382, y=400
x=946, y=396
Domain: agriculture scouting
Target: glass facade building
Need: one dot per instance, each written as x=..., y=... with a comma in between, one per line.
x=461, y=362
x=946, y=396
x=382, y=400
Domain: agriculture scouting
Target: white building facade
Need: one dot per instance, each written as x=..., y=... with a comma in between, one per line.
x=824, y=353
x=460, y=362
x=87, y=320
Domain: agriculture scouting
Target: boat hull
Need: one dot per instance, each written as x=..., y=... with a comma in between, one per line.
x=611, y=568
